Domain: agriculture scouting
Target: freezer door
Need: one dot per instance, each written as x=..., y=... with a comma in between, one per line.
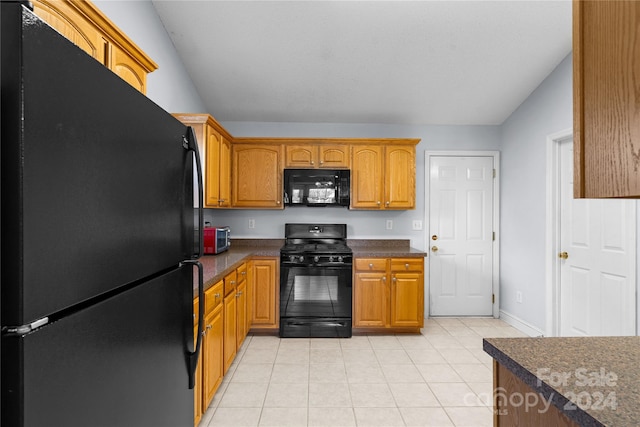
x=97, y=187
x=121, y=362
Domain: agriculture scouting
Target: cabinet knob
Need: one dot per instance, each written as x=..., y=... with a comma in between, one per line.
x=371, y=265
x=233, y=282
x=244, y=273
x=321, y=162
x=387, y=203
x=312, y=162
x=393, y=279
x=406, y=266
x=384, y=278
x=378, y=202
x=217, y=295
x=277, y=202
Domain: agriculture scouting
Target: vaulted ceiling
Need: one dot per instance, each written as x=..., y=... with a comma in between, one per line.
x=397, y=62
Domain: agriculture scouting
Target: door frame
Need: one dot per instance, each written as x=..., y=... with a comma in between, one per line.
x=496, y=220
x=552, y=235
x=552, y=262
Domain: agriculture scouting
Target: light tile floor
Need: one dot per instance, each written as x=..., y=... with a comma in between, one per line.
x=439, y=378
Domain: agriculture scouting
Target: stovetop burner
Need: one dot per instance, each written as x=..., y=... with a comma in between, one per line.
x=316, y=244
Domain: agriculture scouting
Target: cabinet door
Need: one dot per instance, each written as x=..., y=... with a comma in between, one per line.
x=300, y=156
x=371, y=300
x=241, y=314
x=197, y=389
x=400, y=177
x=212, y=352
x=68, y=21
x=121, y=63
x=230, y=320
x=333, y=156
x=606, y=48
x=224, y=173
x=407, y=296
x=212, y=184
x=257, y=176
x=264, y=292
x=366, y=177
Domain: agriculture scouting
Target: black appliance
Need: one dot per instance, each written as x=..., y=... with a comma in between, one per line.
x=315, y=281
x=316, y=187
x=97, y=266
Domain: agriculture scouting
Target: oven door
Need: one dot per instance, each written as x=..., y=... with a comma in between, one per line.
x=315, y=301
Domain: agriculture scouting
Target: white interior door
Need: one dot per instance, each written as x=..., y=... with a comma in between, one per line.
x=597, y=266
x=461, y=235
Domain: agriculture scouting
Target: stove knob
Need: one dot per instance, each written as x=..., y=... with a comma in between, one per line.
x=331, y=258
x=292, y=258
x=300, y=258
x=340, y=259
x=316, y=258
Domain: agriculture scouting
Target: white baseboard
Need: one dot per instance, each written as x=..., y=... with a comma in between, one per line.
x=520, y=324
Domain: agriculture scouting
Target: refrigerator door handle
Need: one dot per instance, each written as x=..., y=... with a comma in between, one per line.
x=189, y=142
x=193, y=356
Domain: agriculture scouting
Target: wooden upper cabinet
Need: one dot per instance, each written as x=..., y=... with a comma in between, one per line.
x=383, y=177
x=256, y=176
x=88, y=28
x=366, y=177
x=316, y=156
x=606, y=79
x=214, y=144
x=400, y=177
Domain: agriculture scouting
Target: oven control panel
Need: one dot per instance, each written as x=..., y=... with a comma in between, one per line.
x=313, y=259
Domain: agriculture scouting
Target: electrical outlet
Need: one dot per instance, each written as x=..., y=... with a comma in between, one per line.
x=389, y=224
x=417, y=224
x=252, y=223
x=519, y=296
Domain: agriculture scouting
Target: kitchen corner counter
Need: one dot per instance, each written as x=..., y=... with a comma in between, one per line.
x=593, y=381
x=384, y=248
x=215, y=267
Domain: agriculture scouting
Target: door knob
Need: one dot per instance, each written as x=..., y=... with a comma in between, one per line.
x=563, y=255
x=434, y=248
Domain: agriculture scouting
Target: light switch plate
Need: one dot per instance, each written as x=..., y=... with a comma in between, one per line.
x=417, y=224
x=389, y=224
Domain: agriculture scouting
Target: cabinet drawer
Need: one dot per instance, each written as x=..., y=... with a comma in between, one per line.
x=212, y=298
x=406, y=264
x=230, y=281
x=371, y=264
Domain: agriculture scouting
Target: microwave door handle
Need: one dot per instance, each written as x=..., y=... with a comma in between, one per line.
x=190, y=143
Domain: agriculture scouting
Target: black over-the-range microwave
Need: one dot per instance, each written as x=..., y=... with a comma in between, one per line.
x=316, y=187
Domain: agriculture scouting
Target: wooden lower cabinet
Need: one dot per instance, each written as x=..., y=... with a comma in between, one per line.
x=230, y=323
x=388, y=293
x=197, y=389
x=508, y=389
x=212, y=344
x=265, y=288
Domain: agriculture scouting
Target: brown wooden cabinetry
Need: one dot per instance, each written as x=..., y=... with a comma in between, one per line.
x=329, y=156
x=214, y=144
x=212, y=346
x=388, y=293
x=230, y=320
x=88, y=28
x=257, y=176
x=383, y=177
x=606, y=48
x=197, y=389
x=265, y=287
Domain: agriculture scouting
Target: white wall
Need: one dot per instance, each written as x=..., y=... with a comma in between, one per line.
x=549, y=109
x=169, y=86
x=360, y=224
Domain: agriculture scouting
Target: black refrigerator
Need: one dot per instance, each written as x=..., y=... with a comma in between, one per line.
x=98, y=250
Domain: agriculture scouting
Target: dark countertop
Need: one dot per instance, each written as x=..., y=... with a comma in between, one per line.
x=601, y=375
x=217, y=266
